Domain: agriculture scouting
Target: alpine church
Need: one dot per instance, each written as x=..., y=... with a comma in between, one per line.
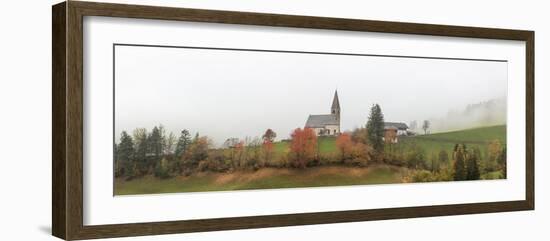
x=326, y=125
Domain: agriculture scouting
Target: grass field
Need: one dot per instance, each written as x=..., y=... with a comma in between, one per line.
x=477, y=137
x=265, y=178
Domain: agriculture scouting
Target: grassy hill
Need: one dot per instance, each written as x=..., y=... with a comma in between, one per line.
x=476, y=137
x=470, y=136
x=265, y=178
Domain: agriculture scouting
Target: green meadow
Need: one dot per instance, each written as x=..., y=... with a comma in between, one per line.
x=265, y=178
x=475, y=137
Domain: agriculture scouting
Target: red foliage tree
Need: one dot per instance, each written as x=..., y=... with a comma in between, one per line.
x=344, y=145
x=303, y=146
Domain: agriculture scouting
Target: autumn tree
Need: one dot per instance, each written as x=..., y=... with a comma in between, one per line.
x=344, y=145
x=494, y=151
x=197, y=151
x=269, y=135
x=359, y=135
x=303, y=146
x=361, y=153
x=460, y=164
x=426, y=126
x=375, y=128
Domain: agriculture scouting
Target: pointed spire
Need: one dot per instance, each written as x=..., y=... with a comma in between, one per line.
x=335, y=101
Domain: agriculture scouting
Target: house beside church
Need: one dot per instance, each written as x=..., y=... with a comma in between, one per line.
x=400, y=128
x=329, y=124
x=392, y=131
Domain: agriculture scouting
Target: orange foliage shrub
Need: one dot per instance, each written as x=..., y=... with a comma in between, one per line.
x=344, y=145
x=303, y=146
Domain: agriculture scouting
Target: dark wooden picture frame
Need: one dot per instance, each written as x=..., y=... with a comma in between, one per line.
x=67, y=124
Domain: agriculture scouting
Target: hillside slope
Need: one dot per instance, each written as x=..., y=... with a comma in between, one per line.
x=475, y=137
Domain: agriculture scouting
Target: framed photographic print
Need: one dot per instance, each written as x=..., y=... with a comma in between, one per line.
x=171, y=120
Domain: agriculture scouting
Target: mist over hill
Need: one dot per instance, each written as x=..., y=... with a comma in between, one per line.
x=486, y=113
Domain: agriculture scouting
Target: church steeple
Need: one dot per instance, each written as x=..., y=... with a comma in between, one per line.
x=335, y=109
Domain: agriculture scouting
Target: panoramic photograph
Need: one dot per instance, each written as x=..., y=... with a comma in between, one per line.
x=192, y=119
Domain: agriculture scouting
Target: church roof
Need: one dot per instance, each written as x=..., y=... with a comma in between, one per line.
x=335, y=101
x=320, y=121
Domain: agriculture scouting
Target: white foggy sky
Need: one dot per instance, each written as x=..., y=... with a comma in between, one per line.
x=225, y=94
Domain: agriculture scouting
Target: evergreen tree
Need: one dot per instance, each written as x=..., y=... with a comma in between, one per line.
x=141, y=149
x=460, y=166
x=125, y=153
x=375, y=128
x=472, y=167
x=183, y=143
x=155, y=142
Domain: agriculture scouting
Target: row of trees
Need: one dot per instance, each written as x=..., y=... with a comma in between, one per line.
x=162, y=154
x=146, y=152
x=352, y=149
x=139, y=153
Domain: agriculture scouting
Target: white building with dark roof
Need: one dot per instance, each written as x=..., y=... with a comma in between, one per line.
x=401, y=128
x=392, y=131
x=329, y=124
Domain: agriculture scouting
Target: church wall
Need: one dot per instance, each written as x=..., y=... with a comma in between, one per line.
x=317, y=130
x=333, y=129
